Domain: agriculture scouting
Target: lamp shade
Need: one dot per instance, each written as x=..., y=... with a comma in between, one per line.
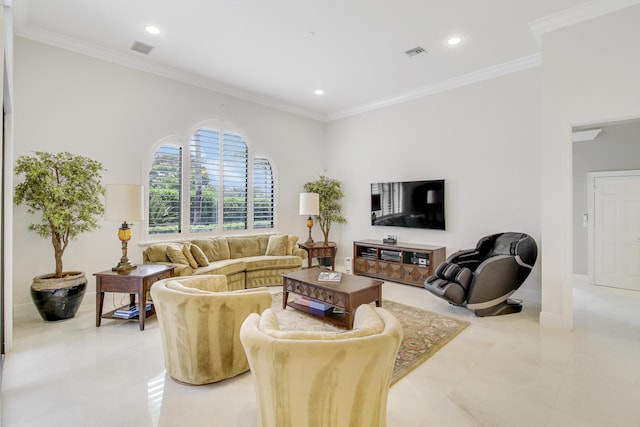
x=123, y=202
x=309, y=204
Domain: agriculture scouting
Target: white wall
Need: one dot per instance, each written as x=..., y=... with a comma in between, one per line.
x=589, y=75
x=482, y=139
x=70, y=102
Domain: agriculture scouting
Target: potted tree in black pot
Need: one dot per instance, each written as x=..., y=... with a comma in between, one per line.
x=65, y=190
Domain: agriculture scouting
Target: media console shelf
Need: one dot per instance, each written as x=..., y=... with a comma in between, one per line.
x=403, y=263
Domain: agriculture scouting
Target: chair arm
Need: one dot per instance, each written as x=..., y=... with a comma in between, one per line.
x=302, y=253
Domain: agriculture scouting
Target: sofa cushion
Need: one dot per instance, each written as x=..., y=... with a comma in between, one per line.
x=157, y=253
x=277, y=245
x=225, y=266
x=215, y=249
x=271, y=262
x=240, y=247
x=291, y=243
x=175, y=254
x=186, y=250
x=198, y=255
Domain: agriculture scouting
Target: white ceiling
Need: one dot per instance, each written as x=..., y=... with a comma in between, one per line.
x=257, y=49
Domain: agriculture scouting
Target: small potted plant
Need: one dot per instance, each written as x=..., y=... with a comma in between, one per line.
x=330, y=191
x=65, y=190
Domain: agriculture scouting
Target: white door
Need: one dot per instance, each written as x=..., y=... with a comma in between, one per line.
x=617, y=231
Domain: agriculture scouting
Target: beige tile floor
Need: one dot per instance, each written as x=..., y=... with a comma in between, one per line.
x=501, y=371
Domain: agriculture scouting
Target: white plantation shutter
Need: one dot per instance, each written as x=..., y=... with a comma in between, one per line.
x=205, y=181
x=165, y=190
x=235, y=182
x=262, y=194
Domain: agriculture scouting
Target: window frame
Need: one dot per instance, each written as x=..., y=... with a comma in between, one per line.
x=184, y=142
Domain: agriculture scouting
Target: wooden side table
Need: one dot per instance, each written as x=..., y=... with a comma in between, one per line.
x=320, y=250
x=134, y=282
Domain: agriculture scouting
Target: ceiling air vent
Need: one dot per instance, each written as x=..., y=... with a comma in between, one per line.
x=415, y=51
x=141, y=47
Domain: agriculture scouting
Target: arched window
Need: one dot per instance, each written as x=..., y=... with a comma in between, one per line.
x=216, y=177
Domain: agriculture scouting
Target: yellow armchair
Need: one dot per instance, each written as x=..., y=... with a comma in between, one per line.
x=323, y=379
x=200, y=326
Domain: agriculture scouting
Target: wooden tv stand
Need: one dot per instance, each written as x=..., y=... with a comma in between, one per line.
x=403, y=263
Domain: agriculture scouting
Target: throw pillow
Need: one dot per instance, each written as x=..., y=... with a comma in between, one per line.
x=156, y=253
x=291, y=243
x=240, y=247
x=263, y=241
x=186, y=250
x=277, y=245
x=199, y=256
x=174, y=252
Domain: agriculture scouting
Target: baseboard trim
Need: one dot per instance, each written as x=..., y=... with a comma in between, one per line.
x=580, y=279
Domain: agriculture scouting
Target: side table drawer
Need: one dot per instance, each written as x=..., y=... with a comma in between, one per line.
x=336, y=299
x=323, y=252
x=153, y=279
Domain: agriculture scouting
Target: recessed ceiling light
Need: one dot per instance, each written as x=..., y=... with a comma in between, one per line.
x=454, y=40
x=152, y=29
x=319, y=92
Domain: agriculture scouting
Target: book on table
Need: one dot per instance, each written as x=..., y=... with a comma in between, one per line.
x=329, y=276
x=129, y=311
x=314, y=306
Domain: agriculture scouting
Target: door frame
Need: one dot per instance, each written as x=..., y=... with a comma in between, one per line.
x=591, y=181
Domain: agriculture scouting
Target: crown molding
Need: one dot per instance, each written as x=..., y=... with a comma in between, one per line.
x=577, y=14
x=539, y=27
x=147, y=66
x=488, y=73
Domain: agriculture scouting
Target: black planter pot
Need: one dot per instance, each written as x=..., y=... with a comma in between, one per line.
x=58, y=298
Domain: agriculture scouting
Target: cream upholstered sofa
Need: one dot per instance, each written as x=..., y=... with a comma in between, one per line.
x=200, y=322
x=247, y=261
x=322, y=378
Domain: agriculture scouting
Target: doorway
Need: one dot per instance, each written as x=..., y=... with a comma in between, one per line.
x=614, y=231
x=611, y=157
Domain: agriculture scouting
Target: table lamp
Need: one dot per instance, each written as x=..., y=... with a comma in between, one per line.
x=123, y=202
x=309, y=205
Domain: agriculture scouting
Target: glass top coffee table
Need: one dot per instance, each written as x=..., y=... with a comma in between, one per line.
x=345, y=295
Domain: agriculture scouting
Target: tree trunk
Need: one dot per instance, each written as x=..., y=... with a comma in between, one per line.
x=58, y=256
x=58, y=251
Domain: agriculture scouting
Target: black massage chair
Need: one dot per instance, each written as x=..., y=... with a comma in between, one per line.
x=482, y=279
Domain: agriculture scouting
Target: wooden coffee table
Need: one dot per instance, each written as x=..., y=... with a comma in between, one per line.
x=348, y=294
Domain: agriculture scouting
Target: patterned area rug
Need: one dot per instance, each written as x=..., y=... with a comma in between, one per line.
x=424, y=332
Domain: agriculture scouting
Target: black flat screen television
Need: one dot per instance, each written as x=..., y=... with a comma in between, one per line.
x=416, y=204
